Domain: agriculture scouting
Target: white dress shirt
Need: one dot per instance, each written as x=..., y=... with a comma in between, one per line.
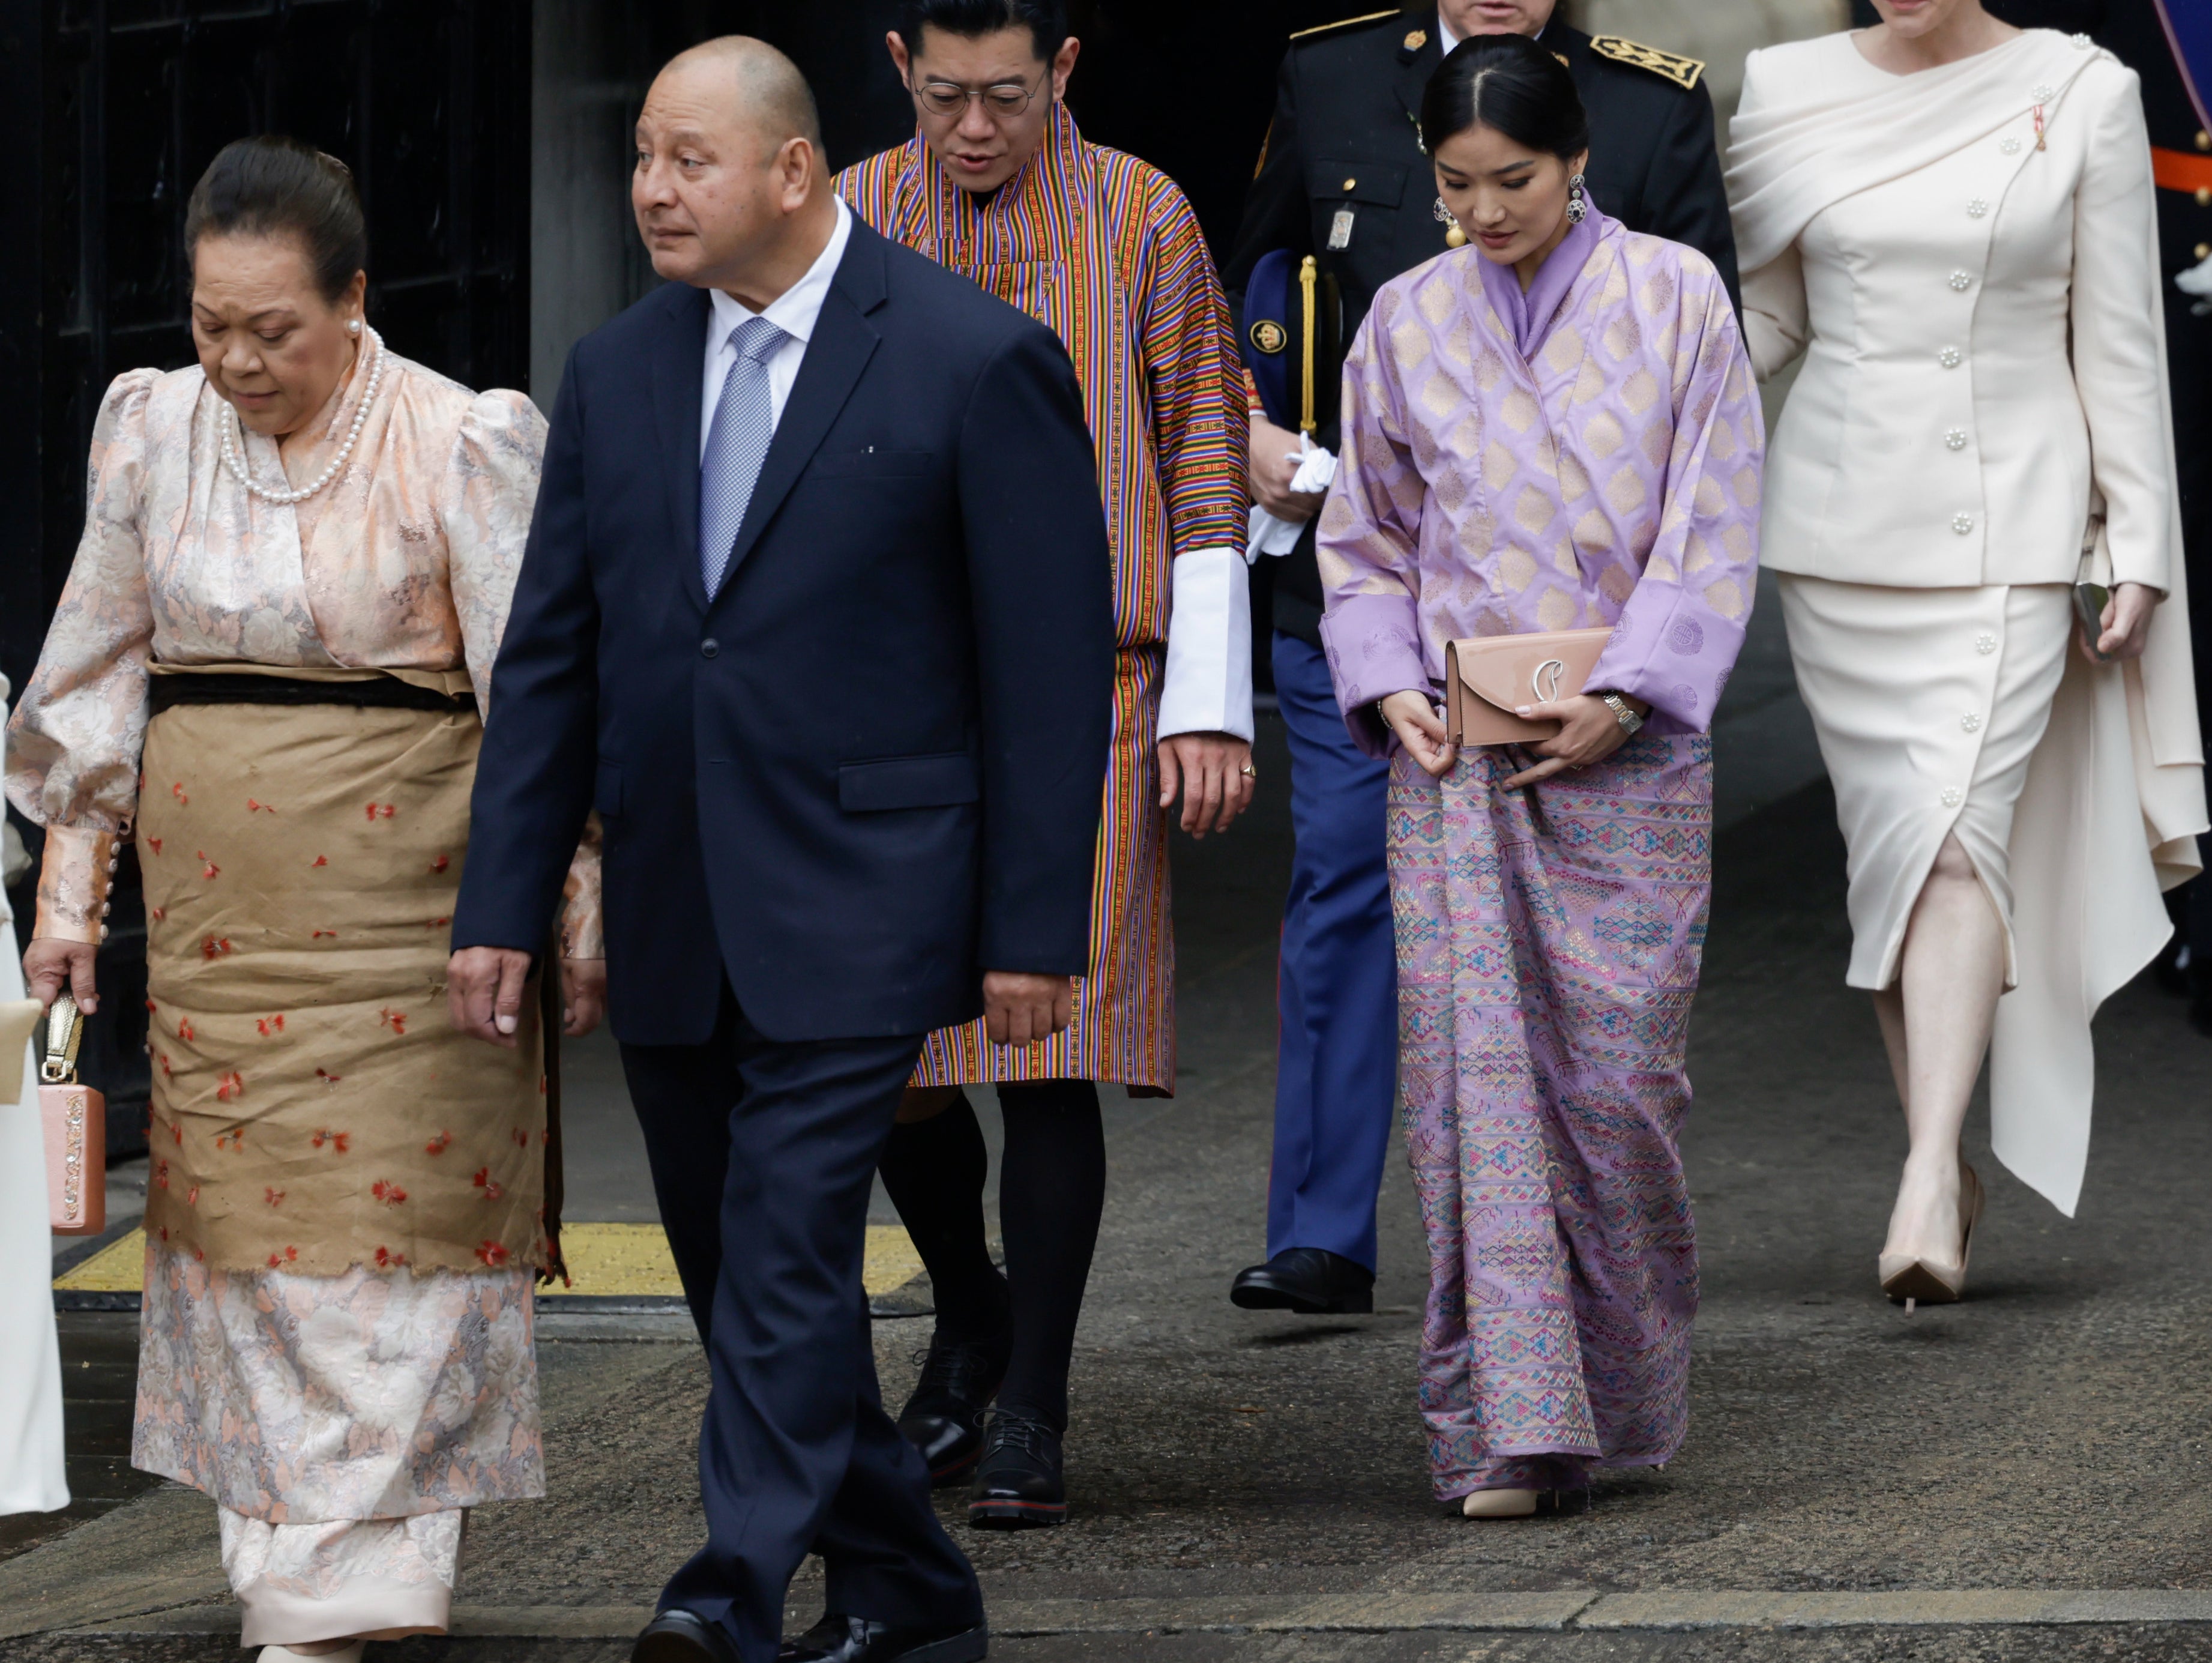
x=793, y=311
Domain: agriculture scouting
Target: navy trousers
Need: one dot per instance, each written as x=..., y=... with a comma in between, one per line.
x=762, y=1153
x=1336, y=1071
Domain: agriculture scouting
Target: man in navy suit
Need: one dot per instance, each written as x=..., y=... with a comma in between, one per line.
x=815, y=613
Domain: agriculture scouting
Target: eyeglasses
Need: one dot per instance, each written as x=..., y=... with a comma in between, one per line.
x=1003, y=102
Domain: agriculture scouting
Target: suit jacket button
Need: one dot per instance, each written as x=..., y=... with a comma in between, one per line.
x=708, y=648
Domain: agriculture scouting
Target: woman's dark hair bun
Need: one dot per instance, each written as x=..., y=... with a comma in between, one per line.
x=1509, y=84
x=272, y=186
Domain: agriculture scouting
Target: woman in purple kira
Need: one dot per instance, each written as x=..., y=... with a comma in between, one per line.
x=1553, y=427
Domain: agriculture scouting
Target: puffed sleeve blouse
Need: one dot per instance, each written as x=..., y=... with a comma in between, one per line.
x=407, y=560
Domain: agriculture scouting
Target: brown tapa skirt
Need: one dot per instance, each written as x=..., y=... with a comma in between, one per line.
x=313, y=1107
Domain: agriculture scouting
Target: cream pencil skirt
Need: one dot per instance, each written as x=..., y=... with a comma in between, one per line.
x=1929, y=704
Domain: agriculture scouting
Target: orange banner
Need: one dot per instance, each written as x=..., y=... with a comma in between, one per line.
x=2177, y=170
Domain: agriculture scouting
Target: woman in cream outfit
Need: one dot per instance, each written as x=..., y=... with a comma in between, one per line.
x=1927, y=211
x=30, y=1366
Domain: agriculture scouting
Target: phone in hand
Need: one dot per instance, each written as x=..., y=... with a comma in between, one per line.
x=2090, y=600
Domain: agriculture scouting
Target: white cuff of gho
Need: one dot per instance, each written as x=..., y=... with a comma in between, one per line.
x=1208, y=686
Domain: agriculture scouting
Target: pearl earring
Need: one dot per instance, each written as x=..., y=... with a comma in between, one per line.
x=353, y=326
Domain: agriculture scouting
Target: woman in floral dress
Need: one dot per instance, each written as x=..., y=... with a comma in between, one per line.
x=267, y=671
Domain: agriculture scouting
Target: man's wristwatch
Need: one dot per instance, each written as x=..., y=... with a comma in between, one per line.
x=1629, y=721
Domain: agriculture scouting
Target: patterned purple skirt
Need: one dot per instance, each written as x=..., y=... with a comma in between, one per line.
x=1548, y=942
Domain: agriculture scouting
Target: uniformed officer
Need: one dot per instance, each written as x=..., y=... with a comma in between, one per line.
x=1342, y=178
x=2177, y=95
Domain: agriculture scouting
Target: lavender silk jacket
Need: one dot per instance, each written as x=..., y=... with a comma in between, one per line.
x=1584, y=455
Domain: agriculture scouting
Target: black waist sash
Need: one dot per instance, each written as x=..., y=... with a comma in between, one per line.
x=381, y=693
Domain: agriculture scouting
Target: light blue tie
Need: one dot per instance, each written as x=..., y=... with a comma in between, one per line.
x=736, y=444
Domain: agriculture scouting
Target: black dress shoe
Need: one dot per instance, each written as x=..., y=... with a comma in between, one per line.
x=855, y=1640
x=678, y=1635
x=1312, y=1281
x=944, y=1418
x=1018, y=1484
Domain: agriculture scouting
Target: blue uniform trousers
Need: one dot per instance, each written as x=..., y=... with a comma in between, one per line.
x=1336, y=1078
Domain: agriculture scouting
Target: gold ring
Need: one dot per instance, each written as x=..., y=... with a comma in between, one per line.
x=1248, y=771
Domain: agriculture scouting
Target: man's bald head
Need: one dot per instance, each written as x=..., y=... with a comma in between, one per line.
x=731, y=191
x=765, y=88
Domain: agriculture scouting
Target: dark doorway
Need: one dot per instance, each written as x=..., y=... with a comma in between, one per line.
x=112, y=108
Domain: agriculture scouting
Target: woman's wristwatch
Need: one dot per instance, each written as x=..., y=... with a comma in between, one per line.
x=1629, y=721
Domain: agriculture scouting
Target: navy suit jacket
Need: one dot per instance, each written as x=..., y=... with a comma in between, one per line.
x=869, y=767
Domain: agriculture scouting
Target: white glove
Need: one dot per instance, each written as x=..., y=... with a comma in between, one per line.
x=1269, y=533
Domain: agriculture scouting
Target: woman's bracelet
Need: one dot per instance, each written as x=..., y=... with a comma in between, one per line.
x=1629, y=721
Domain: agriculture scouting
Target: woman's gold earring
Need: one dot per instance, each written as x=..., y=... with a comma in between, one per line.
x=1454, y=238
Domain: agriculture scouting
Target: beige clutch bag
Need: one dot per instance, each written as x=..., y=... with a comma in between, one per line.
x=1486, y=677
x=75, y=1118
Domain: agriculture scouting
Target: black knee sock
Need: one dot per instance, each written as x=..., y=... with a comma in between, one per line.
x=934, y=1170
x=1052, y=1188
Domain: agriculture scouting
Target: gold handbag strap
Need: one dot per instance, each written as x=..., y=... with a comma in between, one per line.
x=64, y=1033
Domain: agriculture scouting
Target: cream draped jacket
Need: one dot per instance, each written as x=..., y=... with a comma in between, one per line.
x=1966, y=257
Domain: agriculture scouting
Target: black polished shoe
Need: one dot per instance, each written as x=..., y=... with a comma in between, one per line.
x=1018, y=1484
x=1312, y=1281
x=676, y=1636
x=837, y=1639
x=944, y=1418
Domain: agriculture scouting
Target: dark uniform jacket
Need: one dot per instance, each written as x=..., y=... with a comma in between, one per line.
x=1345, y=137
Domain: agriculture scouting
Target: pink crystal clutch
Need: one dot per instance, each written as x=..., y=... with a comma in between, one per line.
x=75, y=1119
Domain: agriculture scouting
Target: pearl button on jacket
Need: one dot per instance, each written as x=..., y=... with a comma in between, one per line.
x=1939, y=434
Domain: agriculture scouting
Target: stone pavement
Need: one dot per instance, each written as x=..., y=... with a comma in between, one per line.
x=2021, y=1476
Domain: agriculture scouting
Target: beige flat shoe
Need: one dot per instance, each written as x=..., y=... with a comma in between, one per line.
x=1498, y=1504
x=349, y=1652
x=1920, y=1281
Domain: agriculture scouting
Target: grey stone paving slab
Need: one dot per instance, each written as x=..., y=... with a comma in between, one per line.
x=2043, y=1440
x=1917, y=1608
x=151, y=1555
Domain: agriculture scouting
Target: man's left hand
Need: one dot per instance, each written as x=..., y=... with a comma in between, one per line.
x=583, y=995
x=1589, y=731
x=1023, y=1009
x=1215, y=774
x=485, y=991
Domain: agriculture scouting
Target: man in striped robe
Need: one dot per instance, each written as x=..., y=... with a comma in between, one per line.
x=998, y=183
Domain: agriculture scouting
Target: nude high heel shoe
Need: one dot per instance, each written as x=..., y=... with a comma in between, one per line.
x=1498, y=1504
x=1916, y=1280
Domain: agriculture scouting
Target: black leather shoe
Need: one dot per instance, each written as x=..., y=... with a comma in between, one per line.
x=678, y=1635
x=944, y=1418
x=1312, y=1281
x=855, y=1640
x=1018, y=1484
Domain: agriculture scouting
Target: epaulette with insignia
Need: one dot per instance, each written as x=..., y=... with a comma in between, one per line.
x=1346, y=23
x=1682, y=71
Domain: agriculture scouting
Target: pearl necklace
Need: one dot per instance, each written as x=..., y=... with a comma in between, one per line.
x=236, y=463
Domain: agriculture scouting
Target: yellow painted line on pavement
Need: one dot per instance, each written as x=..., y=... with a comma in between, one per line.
x=604, y=1259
